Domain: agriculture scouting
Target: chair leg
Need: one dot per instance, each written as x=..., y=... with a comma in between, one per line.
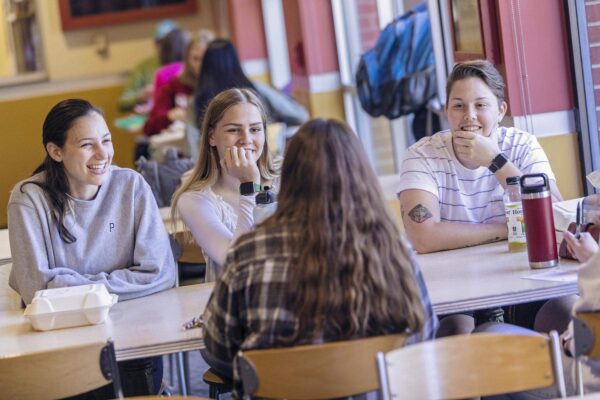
x=172, y=364
x=579, y=376
x=181, y=375
x=186, y=368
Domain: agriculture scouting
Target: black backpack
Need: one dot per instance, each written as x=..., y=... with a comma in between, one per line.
x=397, y=76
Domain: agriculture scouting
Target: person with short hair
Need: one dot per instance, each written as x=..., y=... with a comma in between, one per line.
x=452, y=183
x=328, y=265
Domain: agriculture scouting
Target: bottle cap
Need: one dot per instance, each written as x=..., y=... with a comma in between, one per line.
x=513, y=180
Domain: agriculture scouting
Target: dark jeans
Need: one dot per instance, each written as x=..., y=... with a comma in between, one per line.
x=139, y=377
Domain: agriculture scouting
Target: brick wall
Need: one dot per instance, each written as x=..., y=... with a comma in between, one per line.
x=368, y=23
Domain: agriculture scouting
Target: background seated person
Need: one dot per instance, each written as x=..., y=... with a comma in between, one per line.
x=78, y=220
x=330, y=240
x=172, y=53
x=452, y=183
x=138, y=88
x=221, y=70
x=233, y=151
x=171, y=102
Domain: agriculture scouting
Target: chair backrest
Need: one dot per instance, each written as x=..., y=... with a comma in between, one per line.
x=586, y=329
x=322, y=371
x=474, y=365
x=59, y=373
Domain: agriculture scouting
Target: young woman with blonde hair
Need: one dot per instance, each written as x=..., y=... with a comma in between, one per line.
x=217, y=200
x=329, y=264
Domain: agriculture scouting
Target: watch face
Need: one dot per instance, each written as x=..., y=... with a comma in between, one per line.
x=249, y=188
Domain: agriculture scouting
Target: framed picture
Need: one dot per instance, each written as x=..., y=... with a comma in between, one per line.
x=77, y=14
x=473, y=24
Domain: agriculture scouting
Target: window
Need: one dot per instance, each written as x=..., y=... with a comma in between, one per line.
x=89, y=13
x=20, y=45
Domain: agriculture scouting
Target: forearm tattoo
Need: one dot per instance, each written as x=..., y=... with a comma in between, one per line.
x=419, y=214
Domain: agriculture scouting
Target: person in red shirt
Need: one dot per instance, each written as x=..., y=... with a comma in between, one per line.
x=172, y=98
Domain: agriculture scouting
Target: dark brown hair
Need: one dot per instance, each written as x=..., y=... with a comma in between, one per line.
x=481, y=69
x=55, y=183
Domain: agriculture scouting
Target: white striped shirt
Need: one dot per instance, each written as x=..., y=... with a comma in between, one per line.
x=468, y=195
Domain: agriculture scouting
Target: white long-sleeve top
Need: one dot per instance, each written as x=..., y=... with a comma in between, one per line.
x=215, y=224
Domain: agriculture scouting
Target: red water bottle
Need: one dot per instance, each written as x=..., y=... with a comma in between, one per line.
x=539, y=221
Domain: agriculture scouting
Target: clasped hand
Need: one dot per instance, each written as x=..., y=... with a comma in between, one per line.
x=475, y=150
x=241, y=164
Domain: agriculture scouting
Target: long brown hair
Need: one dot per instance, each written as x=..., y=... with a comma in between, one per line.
x=354, y=275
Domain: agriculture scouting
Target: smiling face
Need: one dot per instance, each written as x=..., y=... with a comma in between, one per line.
x=86, y=155
x=473, y=107
x=242, y=126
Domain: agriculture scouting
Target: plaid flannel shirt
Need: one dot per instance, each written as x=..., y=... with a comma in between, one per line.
x=248, y=306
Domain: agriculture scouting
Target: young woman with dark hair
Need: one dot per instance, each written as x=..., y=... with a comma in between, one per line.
x=329, y=264
x=221, y=70
x=78, y=220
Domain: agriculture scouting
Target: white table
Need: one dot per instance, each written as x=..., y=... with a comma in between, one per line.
x=144, y=327
x=486, y=276
x=5, y=254
x=458, y=280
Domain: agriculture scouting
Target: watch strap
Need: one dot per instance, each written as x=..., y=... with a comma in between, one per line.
x=249, y=188
x=498, y=162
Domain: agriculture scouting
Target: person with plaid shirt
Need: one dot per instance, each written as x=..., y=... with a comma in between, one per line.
x=330, y=264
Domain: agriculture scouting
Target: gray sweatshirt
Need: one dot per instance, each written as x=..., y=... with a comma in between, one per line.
x=121, y=240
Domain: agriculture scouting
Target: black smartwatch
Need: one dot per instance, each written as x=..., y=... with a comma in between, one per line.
x=249, y=188
x=497, y=163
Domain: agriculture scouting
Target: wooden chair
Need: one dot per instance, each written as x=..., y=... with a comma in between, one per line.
x=323, y=371
x=586, y=328
x=59, y=373
x=217, y=385
x=465, y=366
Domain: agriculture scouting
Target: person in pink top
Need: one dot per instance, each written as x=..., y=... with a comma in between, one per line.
x=172, y=53
x=171, y=101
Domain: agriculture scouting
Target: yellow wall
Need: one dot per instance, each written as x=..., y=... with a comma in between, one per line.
x=22, y=150
x=71, y=54
x=563, y=154
x=5, y=67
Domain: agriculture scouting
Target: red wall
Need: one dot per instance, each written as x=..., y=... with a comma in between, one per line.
x=320, y=51
x=368, y=22
x=246, y=26
x=543, y=33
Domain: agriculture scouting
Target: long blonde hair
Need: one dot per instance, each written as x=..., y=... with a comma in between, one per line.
x=202, y=38
x=207, y=169
x=354, y=274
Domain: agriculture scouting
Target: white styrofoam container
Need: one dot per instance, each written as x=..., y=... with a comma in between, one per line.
x=70, y=306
